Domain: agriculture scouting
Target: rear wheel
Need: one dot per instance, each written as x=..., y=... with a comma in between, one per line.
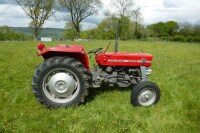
x=145, y=94
x=60, y=82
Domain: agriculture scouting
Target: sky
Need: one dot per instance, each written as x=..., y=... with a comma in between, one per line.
x=152, y=11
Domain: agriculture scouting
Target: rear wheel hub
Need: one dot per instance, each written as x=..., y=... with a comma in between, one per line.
x=61, y=86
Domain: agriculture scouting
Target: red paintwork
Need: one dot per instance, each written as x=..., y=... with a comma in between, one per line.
x=123, y=59
x=40, y=46
x=72, y=51
x=102, y=59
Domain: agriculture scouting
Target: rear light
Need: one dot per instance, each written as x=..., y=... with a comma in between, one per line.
x=41, y=46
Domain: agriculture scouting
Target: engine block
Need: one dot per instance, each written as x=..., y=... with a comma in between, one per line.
x=120, y=76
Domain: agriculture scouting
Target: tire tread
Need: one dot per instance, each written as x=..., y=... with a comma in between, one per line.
x=58, y=60
x=137, y=89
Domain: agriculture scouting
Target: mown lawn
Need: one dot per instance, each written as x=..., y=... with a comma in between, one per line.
x=176, y=69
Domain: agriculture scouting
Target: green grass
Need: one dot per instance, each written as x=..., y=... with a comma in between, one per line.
x=176, y=69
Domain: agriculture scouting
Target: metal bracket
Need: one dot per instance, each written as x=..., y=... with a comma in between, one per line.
x=143, y=72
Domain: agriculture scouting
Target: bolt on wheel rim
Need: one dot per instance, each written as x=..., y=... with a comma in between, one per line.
x=61, y=85
x=147, y=97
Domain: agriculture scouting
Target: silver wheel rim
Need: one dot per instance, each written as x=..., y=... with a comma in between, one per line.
x=147, y=97
x=61, y=85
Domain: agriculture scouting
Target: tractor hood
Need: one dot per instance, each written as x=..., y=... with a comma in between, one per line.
x=124, y=59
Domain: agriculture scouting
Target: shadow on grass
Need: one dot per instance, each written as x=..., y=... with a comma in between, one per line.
x=93, y=92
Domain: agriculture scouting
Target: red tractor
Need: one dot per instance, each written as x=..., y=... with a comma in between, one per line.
x=64, y=76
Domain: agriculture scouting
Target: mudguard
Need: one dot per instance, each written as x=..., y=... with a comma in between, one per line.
x=73, y=51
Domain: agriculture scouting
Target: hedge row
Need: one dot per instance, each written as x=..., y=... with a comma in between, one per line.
x=181, y=38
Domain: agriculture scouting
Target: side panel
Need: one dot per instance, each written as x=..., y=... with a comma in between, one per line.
x=76, y=52
x=124, y=59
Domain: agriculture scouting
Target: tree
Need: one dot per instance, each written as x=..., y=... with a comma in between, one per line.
x=164, y=29
x=158, y=29
x=172, y=27
x=8, y=34
x=106, y=29
x=39, y=11
x=125, y=28
x=197, y=30
x=70, y=31
x=137, y=18
x=123, y=8
x=186, y=29
x=79, y=10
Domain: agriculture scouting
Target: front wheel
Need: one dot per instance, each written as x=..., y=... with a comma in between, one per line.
x=145, y=94
x=60, y=82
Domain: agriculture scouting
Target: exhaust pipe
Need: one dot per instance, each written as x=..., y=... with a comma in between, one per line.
x=117, y=36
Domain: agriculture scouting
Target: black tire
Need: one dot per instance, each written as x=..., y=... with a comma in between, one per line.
x=68, y=67
x=145, y=93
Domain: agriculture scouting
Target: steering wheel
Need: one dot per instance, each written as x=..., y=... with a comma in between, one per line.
x=95, y=50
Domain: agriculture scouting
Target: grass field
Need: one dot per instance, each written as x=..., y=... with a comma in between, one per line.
x=176, y=69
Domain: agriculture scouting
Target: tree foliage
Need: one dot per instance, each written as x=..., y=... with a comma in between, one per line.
x=137, y=19
x=106, y=30
x=79, y=10
x=125, y=28
x=70, y=31
x=128, y=18
x=123, y=8
x=172, y=28
x=7, y=34
x=39, y=11
x=186, y=29
x=173, y=31
x=163, y=29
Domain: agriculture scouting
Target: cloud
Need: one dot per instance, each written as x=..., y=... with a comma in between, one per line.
x=93, y=20
x=182, y=3
x=7, y=2
x=166, y=10
x=54, y=24
x=152, y=10
x=1, y=19
x=149, y=3
x=13, y=16
x=11, y=11
x=88, y=26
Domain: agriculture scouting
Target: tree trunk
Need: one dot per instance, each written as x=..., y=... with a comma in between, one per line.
x=78, y=32
x=117, y=36
x=35, y=34
x=136, y=30
x=35, y=37
x=78, y=35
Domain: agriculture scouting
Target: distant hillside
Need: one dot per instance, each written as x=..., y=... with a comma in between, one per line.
x=46, y=32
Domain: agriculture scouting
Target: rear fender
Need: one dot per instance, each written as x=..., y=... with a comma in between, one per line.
x=76, y=52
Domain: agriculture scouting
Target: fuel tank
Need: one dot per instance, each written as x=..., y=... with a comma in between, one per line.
x=124, y=59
